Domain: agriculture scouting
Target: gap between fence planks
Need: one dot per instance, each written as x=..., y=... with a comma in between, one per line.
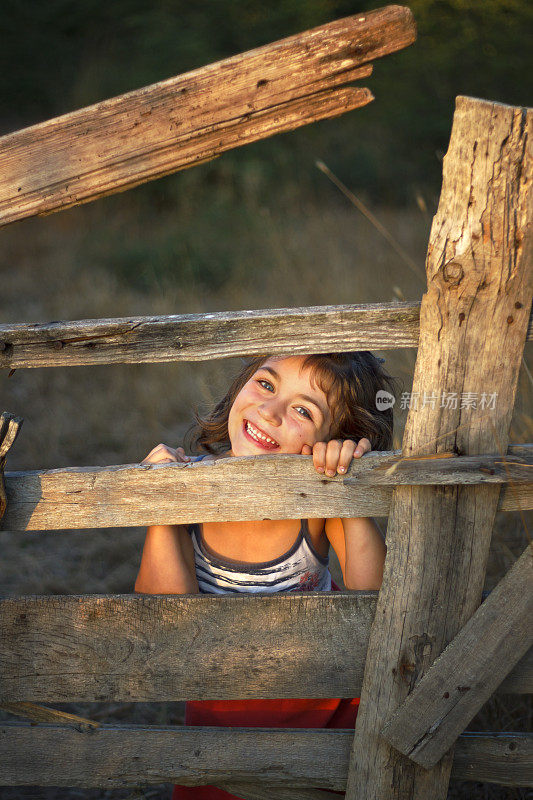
x=473, y=324
x=466, y=674
x=44, y=714
x=156, y=130
x=170, y=648
x=199, y=337
x=241, y=489
x=116, y=756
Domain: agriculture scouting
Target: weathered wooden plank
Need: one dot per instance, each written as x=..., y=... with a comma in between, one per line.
x=116, y=756
x=473, y=323
x=199, y=337
x=148, y=647
x=127, y=140
x=241, y=489
x=9, y=429
x=467, y=673
x=503, y=758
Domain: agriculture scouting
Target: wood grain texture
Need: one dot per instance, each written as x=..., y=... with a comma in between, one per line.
x=46, y=714
x=199, y=337
x=156, y=130
x=9, y=428
x=473, y=323
x=116, y=756
x=467, y=673
x=171, y=647
x=242, y=488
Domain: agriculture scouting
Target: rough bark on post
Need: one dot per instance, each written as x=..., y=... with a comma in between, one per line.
x=473, y=324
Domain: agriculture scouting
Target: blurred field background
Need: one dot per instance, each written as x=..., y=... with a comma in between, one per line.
x=258, y=227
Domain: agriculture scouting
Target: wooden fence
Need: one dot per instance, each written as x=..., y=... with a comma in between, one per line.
x=425, y=653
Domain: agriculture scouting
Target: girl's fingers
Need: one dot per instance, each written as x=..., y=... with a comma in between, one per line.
x=335, y=456
x=306, y=450
x=363, y=447
x=319, y=456
x=162, y=454
x=333, y=452
x=158, y=459
x=346, y=454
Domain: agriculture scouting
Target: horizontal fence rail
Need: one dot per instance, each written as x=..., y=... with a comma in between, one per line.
x=156, y=130
x=116, y=756
x=242, y=488
x=153, y=648
x=199, y=337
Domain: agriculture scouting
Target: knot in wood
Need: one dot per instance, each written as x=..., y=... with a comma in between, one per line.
x=453, y=273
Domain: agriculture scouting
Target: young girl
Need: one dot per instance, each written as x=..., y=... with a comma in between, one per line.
x=318, y=405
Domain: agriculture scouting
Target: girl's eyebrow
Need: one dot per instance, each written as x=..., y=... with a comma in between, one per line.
x=303, y=396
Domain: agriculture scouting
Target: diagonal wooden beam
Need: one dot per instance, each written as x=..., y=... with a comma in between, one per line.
x=471, y=668
x=154, y=131
x=473, y=322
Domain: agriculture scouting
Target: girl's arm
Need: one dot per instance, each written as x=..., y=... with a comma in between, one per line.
x=360, y=548
x=167, y=563
x=358, y=542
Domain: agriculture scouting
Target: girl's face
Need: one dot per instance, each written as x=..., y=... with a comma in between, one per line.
x=279, y=410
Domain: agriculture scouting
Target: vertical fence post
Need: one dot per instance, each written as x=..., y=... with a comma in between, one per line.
x=473, y=325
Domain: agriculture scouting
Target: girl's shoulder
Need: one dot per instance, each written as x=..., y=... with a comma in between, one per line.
x=209, y=457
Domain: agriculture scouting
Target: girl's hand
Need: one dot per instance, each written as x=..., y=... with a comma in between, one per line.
x=335, y=455
x=163, y=454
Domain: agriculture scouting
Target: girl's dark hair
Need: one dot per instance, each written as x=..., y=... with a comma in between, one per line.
x=350, y=381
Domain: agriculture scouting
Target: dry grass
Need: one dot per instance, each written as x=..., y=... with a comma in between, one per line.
x=72, y=266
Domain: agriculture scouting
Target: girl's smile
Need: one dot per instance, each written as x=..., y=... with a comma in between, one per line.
x=280, y=409
x=259, y=436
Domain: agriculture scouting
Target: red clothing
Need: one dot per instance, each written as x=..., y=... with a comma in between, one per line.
x=314, y=713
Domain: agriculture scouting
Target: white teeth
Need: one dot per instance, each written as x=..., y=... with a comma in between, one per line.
x=255, y=434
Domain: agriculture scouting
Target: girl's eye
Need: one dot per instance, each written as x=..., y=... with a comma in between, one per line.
x=267, y=386
x=305, y=412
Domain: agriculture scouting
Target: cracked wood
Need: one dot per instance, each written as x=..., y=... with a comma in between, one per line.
x=241, y=489
x=473, y=323
x=277, y=763
x=467, y=673
x=168, y=648
x=119, y=143
x=198, y=337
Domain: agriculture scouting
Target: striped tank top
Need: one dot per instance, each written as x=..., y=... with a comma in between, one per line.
x=300, y=569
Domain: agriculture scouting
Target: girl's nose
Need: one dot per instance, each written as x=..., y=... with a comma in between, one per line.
x=271, y=412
